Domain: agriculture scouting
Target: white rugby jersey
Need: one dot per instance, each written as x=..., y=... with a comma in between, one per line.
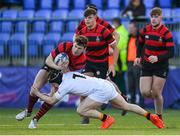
x=79, y=84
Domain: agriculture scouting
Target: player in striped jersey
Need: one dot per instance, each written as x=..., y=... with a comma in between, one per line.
x=155, y=48
x=110, y=28
x=99, y=39
x=77, y=59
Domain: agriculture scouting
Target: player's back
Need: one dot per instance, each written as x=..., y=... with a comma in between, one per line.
x=80, y=84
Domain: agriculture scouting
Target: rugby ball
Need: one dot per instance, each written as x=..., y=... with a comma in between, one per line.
x=61, y=58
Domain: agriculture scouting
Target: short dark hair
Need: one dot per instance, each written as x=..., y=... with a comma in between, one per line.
x=89, y=11
x=156, y=11
x=93, y=6
x=81, y=40
x=118, y=20
x=134, y=22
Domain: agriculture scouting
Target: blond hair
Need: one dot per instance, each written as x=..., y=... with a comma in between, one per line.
x=156, y=11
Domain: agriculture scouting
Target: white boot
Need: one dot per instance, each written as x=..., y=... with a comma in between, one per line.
x=33, y=124
x=22, y=115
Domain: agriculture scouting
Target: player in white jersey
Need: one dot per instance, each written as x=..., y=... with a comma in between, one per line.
x=97, y=91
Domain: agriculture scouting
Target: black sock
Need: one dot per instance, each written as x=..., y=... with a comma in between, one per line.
x=159, y=115
x=148, y=116
x=104, y=117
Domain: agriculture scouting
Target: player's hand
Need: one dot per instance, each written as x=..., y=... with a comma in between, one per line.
x=137, y=62
x=111, y=51
x=112, y=70
x=63, y=66
x=34, y=91
x=153, y=59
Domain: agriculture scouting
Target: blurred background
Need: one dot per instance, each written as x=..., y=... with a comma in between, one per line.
x=30, y=29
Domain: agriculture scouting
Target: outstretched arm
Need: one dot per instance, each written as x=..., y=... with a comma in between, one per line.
x=50, y=100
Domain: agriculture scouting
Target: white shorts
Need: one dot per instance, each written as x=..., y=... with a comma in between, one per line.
x=105, y=94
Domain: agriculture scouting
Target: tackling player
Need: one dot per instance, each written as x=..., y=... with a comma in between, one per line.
x=96, y=92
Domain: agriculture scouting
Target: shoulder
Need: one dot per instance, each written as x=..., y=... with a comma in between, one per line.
x=67, y=46
x=145, y=29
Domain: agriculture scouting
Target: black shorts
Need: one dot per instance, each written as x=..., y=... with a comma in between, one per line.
x=54, y=76
x=99, y=70
x=163, y=73
x=46, y=67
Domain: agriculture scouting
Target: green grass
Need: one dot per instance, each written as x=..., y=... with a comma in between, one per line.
x=67, y=122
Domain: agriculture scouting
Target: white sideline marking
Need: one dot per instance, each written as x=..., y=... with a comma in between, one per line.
x=44, y=125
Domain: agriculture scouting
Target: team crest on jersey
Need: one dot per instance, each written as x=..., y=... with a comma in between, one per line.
x=147, y=36
x=160, y=39
x=98, y=72
x=97, y=39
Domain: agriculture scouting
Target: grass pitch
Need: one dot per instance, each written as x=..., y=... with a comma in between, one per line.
x=67, y=122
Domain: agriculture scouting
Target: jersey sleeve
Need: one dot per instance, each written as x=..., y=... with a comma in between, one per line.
x=56, y=51
x=62, y=91
x=169, y=39
x=108, y=36
x=169, y=47
x=108, y=26
x=140, y=42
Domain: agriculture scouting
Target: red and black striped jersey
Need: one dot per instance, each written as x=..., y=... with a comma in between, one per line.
x=98, y=40
x=99, y=21
x=75, y=62
x=156, y=42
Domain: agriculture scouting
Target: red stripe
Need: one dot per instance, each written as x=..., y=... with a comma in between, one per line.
x=155, y=53
x=154, y=43
x=92, y=34
x=94, y=44
x=92, y=60
x=97, y=53
x=169, y=44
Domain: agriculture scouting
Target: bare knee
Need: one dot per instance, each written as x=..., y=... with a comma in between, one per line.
x=156, y=93
x=80, y=111
x=33, y=88
x=146, y=93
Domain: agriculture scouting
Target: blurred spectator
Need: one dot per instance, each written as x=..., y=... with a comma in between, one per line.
x=135, y=9
x=121, y=66
x=133, y=73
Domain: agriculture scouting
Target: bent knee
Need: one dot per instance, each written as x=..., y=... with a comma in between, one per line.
x=146, y=94
x=79, y=111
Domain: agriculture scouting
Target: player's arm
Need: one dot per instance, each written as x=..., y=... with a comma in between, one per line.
x=112, y=59
x=50, y=59
x=50, y=62
x=116, y=36
x=140, y=45
x=169, y=48
x=50, y=100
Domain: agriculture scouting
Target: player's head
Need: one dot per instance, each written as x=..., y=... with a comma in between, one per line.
x=116, y=22
x=156, y=16
x=132, y=28
x=79, y=45
x=93, y=6
x=90, y=17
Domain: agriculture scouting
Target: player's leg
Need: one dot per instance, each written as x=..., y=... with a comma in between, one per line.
x=122, y=104
x=88, y=108
x=146, y=81
x=157, y=88
x=88, y=72
x=54, y=79
x=45, y=107
x=51, y=100
x=39, y=82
